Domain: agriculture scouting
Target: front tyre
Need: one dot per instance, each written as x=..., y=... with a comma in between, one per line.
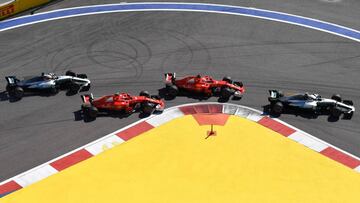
x=74, y=88
x=226, y=93
x=148, y=108
x=238, y=83
x=70, y=73
x=145, y=94
x=335, y=112
x=86, y=88
x=83, y=76
x=336, y=97
x=348, y=116
x=348, y=102
x=227, y=79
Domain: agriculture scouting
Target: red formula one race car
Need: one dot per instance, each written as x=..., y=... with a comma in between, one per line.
x=204, y=85
x=122, y=102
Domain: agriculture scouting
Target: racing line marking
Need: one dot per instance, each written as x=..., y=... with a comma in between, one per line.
x=96, y=147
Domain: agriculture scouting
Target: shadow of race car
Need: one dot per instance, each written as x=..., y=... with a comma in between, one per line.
x=47, y=83
x=203, y=85
x=314, y=103
x=123, y=103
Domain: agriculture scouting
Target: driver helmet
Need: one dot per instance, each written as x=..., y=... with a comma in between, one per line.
x=317, y=96
x=312, y=96
x=116, y=96
x=47, y=76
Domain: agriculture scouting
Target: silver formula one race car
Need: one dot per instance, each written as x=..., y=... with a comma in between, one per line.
x=313, y=103
x=47, y=83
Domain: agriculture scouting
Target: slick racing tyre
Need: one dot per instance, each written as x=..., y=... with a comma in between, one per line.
x=74, y=88
x=17, y=93
x=83, y=76
x=348, y=116
x=226, y=92
x=9, y=88
x=335, y=112
x=148, y=108
x=348, y=102
x=172, y=90
x=93, y=111
x=227, y=79
x=277, y=108
x=238, y=83
x=89, y=111
x=86, y=88
x=70, y=73
x=336, y=97
x=145, y=94
x=54, y=90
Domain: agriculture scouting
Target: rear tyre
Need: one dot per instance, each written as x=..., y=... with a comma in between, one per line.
x=89, y=111
x=54, y=90
x=227, y=79
x=172, y=90
x=70, y=73
x=93, y=111
x=336, y=97
x=148, y=108
x=145, y=94
x=17, y=93
x=277, y=108
x=9, y=88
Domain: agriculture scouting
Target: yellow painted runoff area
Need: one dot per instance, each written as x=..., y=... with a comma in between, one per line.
x=244, y=162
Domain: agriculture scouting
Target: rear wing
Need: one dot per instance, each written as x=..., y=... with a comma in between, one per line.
x=87, y=98
x=170, y=77
x=274, y=94
x=11, y=80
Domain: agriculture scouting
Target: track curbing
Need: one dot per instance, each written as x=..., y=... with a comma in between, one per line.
x=98, y=146
x=115, y=138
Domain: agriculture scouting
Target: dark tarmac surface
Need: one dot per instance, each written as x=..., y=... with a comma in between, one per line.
x=129, y=52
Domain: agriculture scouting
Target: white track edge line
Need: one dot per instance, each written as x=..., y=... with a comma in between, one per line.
x=188, y=10
x=169, y=109
x=186, y=3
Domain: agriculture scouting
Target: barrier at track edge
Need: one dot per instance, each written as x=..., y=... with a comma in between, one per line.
x=13, y=7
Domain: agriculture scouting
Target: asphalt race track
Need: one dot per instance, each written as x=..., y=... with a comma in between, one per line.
x=129, y=52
